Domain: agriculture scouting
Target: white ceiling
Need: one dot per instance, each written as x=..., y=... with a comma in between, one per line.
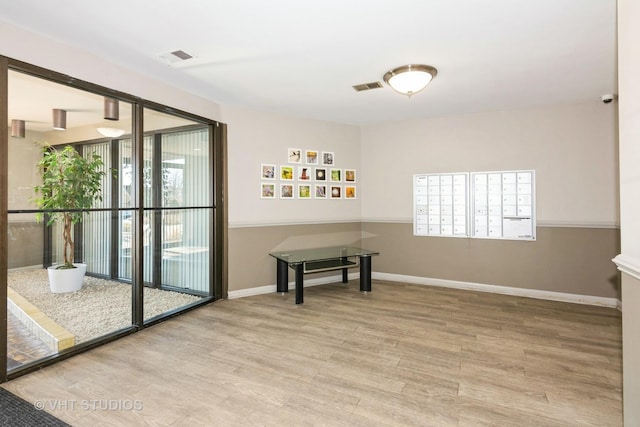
x=301, y=58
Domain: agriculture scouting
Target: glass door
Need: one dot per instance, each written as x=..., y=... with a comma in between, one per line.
x=45, y=319
x=178, y=210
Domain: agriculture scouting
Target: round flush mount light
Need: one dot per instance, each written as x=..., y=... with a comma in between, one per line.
x=410, y=79
x=111, y=132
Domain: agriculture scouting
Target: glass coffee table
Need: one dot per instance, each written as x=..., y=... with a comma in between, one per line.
x=316, y=260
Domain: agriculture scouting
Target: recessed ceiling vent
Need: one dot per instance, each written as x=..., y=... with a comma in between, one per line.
x=175, y=56
x=367, y=86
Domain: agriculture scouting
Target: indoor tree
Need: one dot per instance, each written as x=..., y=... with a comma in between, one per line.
x=71, y=184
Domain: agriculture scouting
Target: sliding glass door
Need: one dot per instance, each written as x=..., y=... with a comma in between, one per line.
x=151, y=242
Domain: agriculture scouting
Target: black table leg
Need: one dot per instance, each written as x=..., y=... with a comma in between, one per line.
x=282, y=276
x=345, y=272
x=299, y=282
x=365, y=273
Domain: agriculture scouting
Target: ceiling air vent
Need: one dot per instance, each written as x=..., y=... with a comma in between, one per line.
x=175, y=56
x=367, y=86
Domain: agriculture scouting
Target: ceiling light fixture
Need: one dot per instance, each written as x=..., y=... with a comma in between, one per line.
x=111, y=109
x=17, y=128
x=59, y=119
x=410, y=79
x=111, y=132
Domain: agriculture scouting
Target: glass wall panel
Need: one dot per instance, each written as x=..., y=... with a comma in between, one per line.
x=167, y=231
x=178, y=180
x=45, y=318
x=186, y=183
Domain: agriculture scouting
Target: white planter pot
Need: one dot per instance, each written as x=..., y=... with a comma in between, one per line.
x=66, y=280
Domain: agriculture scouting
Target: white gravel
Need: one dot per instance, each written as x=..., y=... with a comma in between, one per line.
x=99, y=307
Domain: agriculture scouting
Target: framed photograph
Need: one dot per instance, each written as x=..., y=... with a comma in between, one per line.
x=286, y=173
x=335, y=175
x=286, y=191
x=328, y=158
x=305, y=173
x=268, y=191
x=349, y=175
x=321, y=174
x=294, y=155
x=268, y=171
x=349, y=192
x=304, y=191
x=336, y=192
x=311, y=157
x=321, y=191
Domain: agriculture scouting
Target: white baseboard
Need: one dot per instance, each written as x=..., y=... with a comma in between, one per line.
x=480, y=287
x=505, y=290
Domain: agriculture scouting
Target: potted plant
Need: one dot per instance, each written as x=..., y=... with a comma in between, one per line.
x=70, y=185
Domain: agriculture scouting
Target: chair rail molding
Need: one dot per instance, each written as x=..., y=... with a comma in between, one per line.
x=628, y=265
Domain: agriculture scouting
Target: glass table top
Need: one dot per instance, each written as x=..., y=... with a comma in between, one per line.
x=319, y=254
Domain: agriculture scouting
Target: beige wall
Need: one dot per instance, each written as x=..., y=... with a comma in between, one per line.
x=24, y=155
x=571, y=147
x=25, y=237
x=566, y=260
x=629, y=258
x=25, y=243
x=250, y=265
x=255, y=138
x=573, y=150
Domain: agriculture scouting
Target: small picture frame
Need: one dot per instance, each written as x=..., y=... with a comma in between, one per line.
x=336, y=192
x=349, y=192
x=268, y=190
x=349, y=175
x=286, y=191
x=305, y=173
x=294, y=155
x=321, y=174
x=328, y=159
x=268, y=171
x=335, y=175
x=321, y=191
x=311, y=157
x=286, y=173
x=304, y=191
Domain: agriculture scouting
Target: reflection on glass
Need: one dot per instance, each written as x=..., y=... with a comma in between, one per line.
x=177, y=180
x=42, y=322
x=176, y=214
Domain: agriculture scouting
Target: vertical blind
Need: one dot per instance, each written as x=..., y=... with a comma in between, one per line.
x=183, y=216
x=185, y=233
x=96, y=226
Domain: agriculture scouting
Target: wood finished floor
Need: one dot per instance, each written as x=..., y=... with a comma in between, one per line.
x=402, y=355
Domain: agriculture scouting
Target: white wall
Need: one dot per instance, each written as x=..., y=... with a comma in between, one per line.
x=629, y=259
x=255, y=138
x=571, y=147
x=23, y=173
x=45, y=52
x=629, y=69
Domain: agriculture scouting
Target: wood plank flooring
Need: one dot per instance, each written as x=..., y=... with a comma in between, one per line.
x=403, y=355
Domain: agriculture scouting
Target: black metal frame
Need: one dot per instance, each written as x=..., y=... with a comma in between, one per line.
x=217, y=138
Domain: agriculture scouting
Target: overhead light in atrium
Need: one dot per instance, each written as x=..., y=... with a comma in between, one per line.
x=17, y=129
x=59, y=119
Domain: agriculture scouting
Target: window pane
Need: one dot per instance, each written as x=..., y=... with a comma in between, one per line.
x=177, y=176
x=45, y=318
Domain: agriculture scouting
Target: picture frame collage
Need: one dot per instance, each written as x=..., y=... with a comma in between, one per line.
x=308, y=174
